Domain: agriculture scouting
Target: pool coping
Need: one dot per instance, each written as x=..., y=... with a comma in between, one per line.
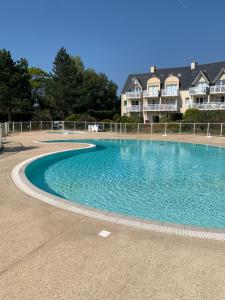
x=22, y=182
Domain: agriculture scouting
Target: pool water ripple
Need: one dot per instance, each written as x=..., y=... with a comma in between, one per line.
x=165, y=181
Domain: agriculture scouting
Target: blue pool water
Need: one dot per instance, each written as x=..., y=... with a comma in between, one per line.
x=166, y=181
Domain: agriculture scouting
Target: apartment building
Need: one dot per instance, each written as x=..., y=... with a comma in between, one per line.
x=165, y=91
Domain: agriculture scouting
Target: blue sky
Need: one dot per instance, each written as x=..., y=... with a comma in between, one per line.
x=116, y=37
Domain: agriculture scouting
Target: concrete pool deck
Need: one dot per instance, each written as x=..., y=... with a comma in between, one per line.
x=49, y=253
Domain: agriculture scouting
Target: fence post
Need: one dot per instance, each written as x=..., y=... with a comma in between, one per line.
x=125, y=128
x=74, y=125
x=30, y=125
x=180, y=129
x=6, y=127
x=151, y=127
x=194, y=129
x=85, y=126
x=208, y=133
x=207, y=129
x=165, y=130
x=138, y=128
x=13, y=127
x=52, y=125
x=110, y=127
x=21, y=126
x=41, y=125
x=221, y=129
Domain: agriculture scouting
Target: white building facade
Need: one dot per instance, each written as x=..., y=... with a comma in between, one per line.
x=174, y=90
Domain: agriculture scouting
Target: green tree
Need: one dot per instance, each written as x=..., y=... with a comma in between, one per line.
x=99, y=93
x=193, y=116
x=15, y=90
x=39, y=85
x=66, y=84
x=78, y=64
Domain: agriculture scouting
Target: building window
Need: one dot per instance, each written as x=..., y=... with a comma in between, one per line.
x=136, y=89
x=200, y=100
x=125, y=103
x=153, y=89
x=220, y=82
x=171, y=88
x=202, y=85
x=222, y=99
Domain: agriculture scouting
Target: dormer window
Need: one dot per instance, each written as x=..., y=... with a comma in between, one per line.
x=201, y=81
x=153, y=89
x=171, y=87
x=136, y=87
x=220, y=82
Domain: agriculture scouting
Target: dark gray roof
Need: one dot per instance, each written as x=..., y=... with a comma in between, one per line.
x=186, y=75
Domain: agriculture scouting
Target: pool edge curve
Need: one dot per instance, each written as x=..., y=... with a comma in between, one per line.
x=22, y=182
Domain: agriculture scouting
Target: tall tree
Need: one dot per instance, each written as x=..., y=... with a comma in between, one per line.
x=100, y=93
x=15, y=90
x=67, y=80
x=39, y=84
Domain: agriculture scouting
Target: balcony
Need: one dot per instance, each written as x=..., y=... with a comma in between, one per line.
x=134, y=108
x=151, y=94
x=169, y=93
x=134, y=95
x=217, y=89
x=196, y=91
x=160, y=107
x=208, y=106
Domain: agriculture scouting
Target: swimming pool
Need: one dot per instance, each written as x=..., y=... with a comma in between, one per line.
x=153, y=180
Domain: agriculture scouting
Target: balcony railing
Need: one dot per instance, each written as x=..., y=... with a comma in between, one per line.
x=208, y=106
x=134, y=95
x=134, y=108
x=169, y=93
x=151, y=94
x=198, y=91
x=217, y=89
x=160, y=107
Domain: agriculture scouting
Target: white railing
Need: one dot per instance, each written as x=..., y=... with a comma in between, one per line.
x=208, y=106
x=71, y=127
x=151, y=94
x=134, y=95
x=198, y=90
x=160, y=107
x=217, y=89
x=134, y=108
x=169, y=93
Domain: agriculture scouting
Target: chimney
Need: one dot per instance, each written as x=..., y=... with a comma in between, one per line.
x=193, y=65
x=153, y=69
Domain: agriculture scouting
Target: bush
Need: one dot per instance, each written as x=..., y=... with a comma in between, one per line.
x=73, y=117
x=131, y=119
x=172, y=117
x=42, y=115
x=102, y=114
x=204, y=116
x=80, y=118
x=107, y=121
x=193, y=116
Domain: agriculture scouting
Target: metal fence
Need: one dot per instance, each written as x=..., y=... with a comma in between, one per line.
x=208, y=129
